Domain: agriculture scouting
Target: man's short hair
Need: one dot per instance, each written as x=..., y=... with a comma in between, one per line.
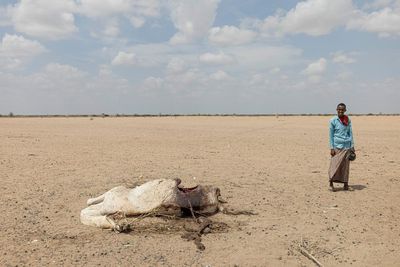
x=341, y=105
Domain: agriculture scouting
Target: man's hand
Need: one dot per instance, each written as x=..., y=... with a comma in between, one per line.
x=333, y=152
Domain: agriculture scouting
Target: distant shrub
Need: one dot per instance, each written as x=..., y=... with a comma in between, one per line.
x=10, y=114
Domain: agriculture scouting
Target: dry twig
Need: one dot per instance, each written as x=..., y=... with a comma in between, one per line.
x=304, y=251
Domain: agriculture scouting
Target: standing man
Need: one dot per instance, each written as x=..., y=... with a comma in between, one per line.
x=341, y=144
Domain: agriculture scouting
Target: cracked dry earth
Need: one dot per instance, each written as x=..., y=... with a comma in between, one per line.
x=277, y=167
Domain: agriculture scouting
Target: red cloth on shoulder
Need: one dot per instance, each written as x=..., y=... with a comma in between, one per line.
x=344, y=120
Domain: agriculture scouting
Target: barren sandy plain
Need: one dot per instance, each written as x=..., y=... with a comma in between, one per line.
x=277, y=167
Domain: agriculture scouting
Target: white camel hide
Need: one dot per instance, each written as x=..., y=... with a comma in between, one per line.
x=162, y=194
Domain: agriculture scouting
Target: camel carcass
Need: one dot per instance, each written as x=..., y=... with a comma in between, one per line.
x=162, y=195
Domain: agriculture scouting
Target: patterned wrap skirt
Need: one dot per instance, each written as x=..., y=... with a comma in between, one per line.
x=340, y=166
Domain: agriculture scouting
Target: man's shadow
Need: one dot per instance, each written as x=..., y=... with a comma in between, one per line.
x=353, y=187
x=357, y=186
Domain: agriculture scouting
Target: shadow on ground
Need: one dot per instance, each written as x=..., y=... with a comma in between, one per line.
x=357, y=187
x=354, y=187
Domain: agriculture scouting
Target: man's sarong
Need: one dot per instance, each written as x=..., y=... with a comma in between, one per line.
x=340, y=166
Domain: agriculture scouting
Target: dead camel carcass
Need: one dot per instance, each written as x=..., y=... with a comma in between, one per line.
x=164, y=196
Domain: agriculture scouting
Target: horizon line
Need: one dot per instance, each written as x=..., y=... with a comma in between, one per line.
x=118, y=115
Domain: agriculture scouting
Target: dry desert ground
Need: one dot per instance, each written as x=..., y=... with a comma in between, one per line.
x=276, y=166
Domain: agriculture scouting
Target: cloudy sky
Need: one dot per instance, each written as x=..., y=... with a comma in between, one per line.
x=199, y=56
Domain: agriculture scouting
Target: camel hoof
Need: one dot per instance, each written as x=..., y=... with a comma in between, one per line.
x=123, y=228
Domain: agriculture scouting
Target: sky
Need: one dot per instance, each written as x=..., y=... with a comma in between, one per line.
x=199, y=56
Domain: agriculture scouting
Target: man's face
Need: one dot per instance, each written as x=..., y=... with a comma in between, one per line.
x=340, y=110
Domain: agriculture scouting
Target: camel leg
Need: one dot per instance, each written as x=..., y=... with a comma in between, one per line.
x=96, y=200
x=92, y=216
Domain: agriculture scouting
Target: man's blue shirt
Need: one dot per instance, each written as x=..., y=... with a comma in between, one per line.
x=340, y=135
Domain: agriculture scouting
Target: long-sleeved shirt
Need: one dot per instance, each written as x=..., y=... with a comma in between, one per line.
x=340, y=135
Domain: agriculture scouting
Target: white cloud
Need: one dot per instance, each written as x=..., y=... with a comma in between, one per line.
x=16, y=45
x=275, y=70
x=53, y=79
x=231, y=35
x=314, y=78
x=151, y=83
x=190, y=82
x=216, y=59
x=274, y=81
x=104, y=8
x=57, y=71
x=176, y=65
x=261, y=56
x=137, y=22
x=312, y=17
x=385, y=22
x=220, y=75
x=316, y=68
x=111, y=12
x=189, y=65
x=192, y=19
x=341, y=57
x=123, y=58
x=60, y=89
x=104, y=70
x=15, y=51
x=345, y=75
x=111, y=28
x=182, y=79
x=258, y=79
x=108, y=8
x=47, y=19
x=150, y=55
